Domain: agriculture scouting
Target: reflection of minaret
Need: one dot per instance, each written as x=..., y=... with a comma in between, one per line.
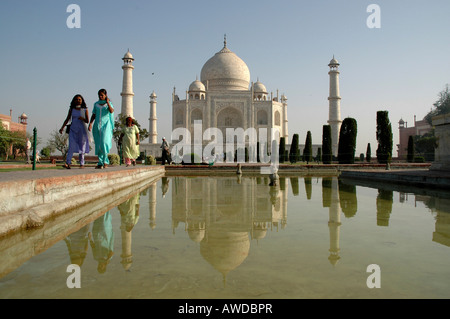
x=285, y=116
x=334, y=118
x=152, y=205
x=153, y=120
x=334, y=223
x=129, y=215
x=127, y=85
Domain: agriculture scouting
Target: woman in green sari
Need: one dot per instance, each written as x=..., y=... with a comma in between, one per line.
x=103, y=118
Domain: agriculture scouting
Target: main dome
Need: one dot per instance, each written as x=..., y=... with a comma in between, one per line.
x=225, y=71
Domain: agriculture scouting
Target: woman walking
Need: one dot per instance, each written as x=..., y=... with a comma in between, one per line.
x=78, y=135
x=103, y=115
x=130, y=142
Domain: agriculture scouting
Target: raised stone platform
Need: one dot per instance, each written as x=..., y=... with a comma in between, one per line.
x=28, y=199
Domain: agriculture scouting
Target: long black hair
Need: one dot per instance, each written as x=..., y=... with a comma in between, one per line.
x=73, y=104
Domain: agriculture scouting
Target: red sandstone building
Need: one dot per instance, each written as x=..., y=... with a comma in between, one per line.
x=420, y=128
x=10, y=125
x=20, y=126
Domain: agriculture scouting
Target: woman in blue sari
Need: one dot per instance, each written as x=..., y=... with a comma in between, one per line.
x=103, y=118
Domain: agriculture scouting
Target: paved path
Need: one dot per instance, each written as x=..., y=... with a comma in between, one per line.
x=56, y=172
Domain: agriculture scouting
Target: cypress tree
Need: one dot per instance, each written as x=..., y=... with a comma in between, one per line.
x=307, y=153
x=294, y=149
x=384, y=138
x=282, y=149
x=319, y=154
x=411, y=149
x=368, y=153
x=257, y=152
x=347, y=141
x=327, y=153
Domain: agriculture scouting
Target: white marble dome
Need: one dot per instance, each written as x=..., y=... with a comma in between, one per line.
x=258, y=87
x=197, y=86
x=225, y=71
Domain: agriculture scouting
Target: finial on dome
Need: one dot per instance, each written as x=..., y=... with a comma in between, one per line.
x=225, y=40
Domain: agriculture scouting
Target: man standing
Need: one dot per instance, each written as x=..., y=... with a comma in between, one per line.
x=165, y=151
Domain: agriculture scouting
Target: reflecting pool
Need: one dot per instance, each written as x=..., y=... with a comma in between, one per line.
x=237, y=237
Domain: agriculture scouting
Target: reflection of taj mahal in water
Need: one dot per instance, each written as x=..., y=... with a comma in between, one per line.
x=223, y=221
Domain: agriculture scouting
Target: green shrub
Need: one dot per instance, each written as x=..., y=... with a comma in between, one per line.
x=114, y=159
x=150, y=160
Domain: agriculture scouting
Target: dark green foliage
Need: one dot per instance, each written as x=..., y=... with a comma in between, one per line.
x=441, y=106
x=327, y=152
x=307, y=152
x=425, y=145
x=411, y=151
x=347, y=141
x=293, y=152
x=257, y=152
x=282, y=149
x=319, y=155
x=384, y=137
x=368, y=153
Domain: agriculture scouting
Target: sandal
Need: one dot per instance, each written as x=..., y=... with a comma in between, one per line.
x=99, y=167
x=66, y=166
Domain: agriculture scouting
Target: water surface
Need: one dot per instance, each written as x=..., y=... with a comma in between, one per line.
x=238, y=237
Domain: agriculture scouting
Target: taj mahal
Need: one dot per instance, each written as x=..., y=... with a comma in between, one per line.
x=225, y=98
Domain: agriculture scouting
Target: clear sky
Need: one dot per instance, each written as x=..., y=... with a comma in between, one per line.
x=287, y=44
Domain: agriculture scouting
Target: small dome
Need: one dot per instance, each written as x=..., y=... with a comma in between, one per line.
x=24, y=116
x=259, y=88
x=333, y=62
x=401, y=121
x=153, y=95
x=128, y=56
x=197, y=86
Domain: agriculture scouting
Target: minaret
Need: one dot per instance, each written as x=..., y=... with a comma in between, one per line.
x=334, y=118
x=127, y=85
x=153, y=120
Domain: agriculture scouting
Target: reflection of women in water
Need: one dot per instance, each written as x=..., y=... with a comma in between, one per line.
x=102, y=241
x=129, y=212
x=77, y=244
